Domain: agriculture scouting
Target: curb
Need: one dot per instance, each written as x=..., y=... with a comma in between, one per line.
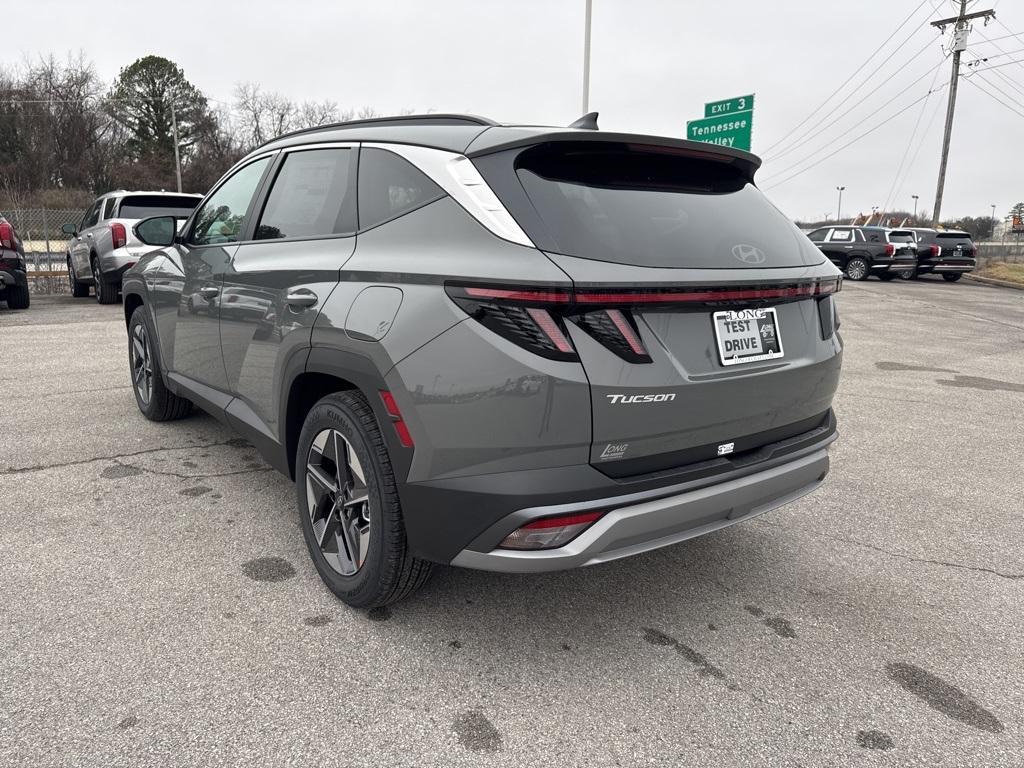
x=993, y=281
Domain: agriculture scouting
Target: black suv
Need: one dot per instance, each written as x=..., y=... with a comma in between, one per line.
x=947, y=252
x=862, y=251
x=13, y=280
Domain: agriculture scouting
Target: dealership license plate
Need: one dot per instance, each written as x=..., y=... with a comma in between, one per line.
x=747, y=335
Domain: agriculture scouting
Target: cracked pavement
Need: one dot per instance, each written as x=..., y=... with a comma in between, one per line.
x=159, y=607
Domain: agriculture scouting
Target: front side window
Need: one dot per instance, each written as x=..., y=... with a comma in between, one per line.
x=221, y=218
x=91, y=216
x=312, y=196
x=390, y=186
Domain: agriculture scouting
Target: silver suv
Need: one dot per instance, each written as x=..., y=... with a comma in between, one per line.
x=102, y=246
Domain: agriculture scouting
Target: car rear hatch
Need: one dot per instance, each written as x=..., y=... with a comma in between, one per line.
x=957, y=249
x=904, y=245
x=703, y=318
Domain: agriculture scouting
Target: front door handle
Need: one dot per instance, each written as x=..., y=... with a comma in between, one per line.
x=300, y=298
x=210, y=292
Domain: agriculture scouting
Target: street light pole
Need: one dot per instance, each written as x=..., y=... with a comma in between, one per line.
x=586, y=61
x=992, y=226
x=915, y=207
x=839, y=206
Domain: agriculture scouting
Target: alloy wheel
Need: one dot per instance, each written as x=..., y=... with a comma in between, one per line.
x=142, y=363
x=857, y=269
x=338, y=502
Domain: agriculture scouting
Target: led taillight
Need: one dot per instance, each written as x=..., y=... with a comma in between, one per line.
x=7, y=235
x=936, y=250
x=550, y=532
x=890, y=249
x=118, y=234
x=401, y=429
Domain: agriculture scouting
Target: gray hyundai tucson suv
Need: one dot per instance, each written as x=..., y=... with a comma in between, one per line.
x=505, y=347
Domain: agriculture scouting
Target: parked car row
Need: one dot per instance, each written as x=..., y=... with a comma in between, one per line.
x=889, y=253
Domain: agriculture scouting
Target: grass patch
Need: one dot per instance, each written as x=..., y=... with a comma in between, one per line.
x=1002, y=270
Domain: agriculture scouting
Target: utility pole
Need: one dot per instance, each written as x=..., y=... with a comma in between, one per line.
x=177, y=156
x=839, y=207
x=915, y=207
x=586, y=60
x=961, y=29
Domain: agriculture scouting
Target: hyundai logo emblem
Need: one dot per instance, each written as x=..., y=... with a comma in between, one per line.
x=748, y=254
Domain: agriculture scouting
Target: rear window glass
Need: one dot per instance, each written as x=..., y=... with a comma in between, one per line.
x=655, y=207
x=902, y=237
x=959, y=236
x=144, y=206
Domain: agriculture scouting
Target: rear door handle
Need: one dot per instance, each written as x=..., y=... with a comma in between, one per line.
x=300, y=298
x=209, y=292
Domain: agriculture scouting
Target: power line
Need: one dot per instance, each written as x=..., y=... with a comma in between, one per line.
x=856, y=72
x=891, y=117
x=849, y=130
x=997, y=66
x=847, y=111
x=910, y=141
x=994, y=97
x=917, y=149
x=1000, y=90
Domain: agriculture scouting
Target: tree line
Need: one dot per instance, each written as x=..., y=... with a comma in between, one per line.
x=66, y=136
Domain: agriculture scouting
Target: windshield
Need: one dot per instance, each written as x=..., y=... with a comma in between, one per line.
x=654, y=207
x=144, y=206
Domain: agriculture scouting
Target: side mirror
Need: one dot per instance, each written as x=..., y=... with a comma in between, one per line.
x=157, y=230
x=69, y=229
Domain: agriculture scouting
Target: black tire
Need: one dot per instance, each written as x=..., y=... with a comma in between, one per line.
x=857, y=268
x=78, y=289
x=910, y=274
x=18, y=297
x=161, y=404
x=388, y=572
x=106, y=291
x=952, y=277
x=887, y=276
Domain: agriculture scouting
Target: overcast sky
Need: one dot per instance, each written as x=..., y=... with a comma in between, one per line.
x=654, y=64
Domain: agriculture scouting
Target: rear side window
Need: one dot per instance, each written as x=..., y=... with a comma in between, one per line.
x=144, y=206
x=108, y=208
x=841, y=236
x=390, y=186
x=653, y=207
x=313, y=195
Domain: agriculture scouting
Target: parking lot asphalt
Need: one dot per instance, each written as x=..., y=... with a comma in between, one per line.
x=159, y=606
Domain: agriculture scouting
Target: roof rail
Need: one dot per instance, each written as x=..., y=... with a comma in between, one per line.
x=429, y=119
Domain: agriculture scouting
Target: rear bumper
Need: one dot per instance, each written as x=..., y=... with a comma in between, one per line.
x=631, y=528
x=12, y=277
x=896, y=265
x=114, y=264
x=961, y=267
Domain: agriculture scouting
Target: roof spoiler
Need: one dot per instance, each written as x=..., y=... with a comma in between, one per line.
x=744, y=162
x=587, y=122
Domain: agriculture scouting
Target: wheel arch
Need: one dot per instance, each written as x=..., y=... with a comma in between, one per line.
x=329, y=370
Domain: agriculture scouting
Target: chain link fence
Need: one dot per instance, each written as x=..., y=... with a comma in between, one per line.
x=45, y=244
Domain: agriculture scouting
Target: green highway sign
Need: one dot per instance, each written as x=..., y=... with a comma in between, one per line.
x=727, y=130
x=729, y=106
